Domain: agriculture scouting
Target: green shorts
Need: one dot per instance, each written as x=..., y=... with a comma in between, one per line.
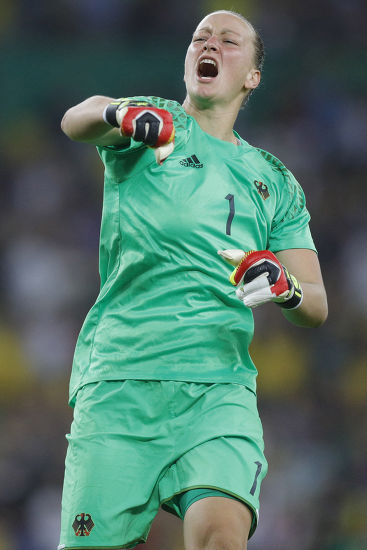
x=137, y=445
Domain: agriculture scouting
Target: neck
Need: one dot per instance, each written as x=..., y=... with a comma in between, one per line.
x=216, y=120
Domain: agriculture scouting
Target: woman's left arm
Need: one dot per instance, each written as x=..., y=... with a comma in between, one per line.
x=304, y=265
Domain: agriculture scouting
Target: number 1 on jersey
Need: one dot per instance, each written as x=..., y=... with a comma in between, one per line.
x=230, y=198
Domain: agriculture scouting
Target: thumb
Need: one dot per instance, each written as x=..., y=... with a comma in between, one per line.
x=232, y=256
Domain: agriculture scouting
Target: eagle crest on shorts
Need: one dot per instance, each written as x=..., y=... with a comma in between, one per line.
x=82, y=525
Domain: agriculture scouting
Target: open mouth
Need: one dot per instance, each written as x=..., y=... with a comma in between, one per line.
x=207, y=68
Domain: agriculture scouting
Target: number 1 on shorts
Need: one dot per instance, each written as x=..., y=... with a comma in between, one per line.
x=258, y=470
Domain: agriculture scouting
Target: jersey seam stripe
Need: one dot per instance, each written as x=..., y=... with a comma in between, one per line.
x=116, y=270
x=274, y=161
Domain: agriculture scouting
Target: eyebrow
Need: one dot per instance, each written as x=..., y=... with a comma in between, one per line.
x=224, y=31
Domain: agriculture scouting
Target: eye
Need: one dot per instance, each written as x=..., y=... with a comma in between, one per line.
x=198, y=39
x=230, y=42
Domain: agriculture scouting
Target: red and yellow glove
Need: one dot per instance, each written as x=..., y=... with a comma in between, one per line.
x=260, y=278
x=142, y=121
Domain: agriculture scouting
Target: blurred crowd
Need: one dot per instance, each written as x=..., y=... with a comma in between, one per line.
x=311, y=112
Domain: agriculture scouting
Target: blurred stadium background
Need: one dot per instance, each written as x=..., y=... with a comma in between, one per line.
x=311, y=112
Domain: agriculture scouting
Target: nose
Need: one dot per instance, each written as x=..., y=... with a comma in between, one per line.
x=211, y=44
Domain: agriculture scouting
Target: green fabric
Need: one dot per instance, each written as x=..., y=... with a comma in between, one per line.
x=166, y=309
x=184, y=501
x=130, y=451
x=193, y=495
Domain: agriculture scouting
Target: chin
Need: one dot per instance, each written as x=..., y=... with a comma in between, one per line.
x=203, y=99
x=203, y=90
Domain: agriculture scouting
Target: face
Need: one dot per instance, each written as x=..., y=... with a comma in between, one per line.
x=219, y=64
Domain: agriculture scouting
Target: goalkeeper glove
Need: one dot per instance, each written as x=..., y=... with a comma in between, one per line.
x=143, y=122
x=260, y=278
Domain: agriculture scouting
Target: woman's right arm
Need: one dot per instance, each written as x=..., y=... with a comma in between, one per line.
x=84, y=122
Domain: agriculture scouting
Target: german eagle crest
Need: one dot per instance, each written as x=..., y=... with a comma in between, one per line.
x=82, y=525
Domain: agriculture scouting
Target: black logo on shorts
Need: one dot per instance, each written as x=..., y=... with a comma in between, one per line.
x=262, y=189
x=192, y=161
x=82, y=525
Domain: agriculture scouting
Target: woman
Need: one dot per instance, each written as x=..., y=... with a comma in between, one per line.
x=162, y=384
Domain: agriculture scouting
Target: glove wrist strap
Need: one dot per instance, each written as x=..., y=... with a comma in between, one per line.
x=109, y=114
x=295, y=300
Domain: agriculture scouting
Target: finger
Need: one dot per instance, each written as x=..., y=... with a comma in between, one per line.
x=162, y=152
x=256, y=292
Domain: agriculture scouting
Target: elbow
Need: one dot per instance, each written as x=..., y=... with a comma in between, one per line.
x=319, y=320
x=65, y=126
x=308, y=315
x=68, y=126
x=316, y=308
x=84, y=121
x=323, y=310
x=319, y=316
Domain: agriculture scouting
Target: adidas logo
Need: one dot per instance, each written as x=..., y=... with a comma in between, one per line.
x=192, y=161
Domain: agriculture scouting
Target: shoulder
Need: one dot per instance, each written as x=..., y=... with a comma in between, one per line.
x=281, y=176
x=288, y=192
x=269, y=162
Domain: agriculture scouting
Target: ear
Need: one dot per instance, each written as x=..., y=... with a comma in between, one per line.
x=252, y=79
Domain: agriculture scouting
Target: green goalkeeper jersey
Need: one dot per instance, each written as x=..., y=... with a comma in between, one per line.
x=166, y=309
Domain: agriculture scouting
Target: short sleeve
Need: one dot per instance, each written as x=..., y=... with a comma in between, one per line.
x=290, y=227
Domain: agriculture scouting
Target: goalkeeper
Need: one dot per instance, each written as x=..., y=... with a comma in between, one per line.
x=198, y=227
